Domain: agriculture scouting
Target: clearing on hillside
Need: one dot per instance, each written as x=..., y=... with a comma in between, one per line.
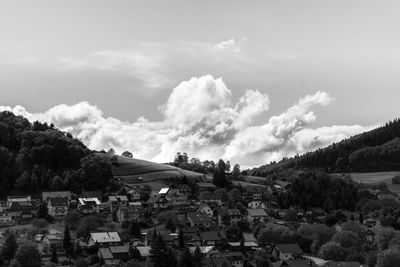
x=377, y=177
x=137, y=171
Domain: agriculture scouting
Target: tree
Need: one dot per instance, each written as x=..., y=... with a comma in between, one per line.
x=67, y=241
x=181, y=239
x=28, y=255
x=383, y=237
x=134, y=229
x=57, y=183
x=170, y=225
x=80, y=262
x=274, y=234
x=197, y=257
x=219, y=177
x=346, y=239
x=54, y=257
x=10, y=247
x=186, y=258
x=332, y=251
x=127, y=154
x=134, y=253
x=236, y=171
x=15, y=263
x=158, y=251
x=389, y=257
x=361, y=218
x=261, y=257
x=72, y=219
x=42, y=212
x=228, y=166
x=111, y=151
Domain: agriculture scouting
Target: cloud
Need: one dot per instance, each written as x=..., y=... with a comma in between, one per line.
x=230, y=45
x=153, y=64
x=200, y=119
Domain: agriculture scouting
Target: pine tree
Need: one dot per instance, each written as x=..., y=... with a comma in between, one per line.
x=135, y=230
x=186, y=259
x=170, y=225
x=181, y=239
x=43, y=212
x=9, y=248
x=134, y=253
x=158, y=251
x=197, y=257
x=54, y=257
x=67, y=241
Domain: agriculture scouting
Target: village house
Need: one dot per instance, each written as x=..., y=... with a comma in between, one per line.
x=18, y=199
x=158, y=202
x=5, y=219
x=221, y=259
x=228, y=217
x=182, y=189
x=211, y=198
x=198, y=219
x=21, y=210
x=205, y=187
x=89, y=205
x=57, y=206
x=104, y=239
x=204, y=208
x=213, y=238
x=108, y=258
x=251, y=193
x=134, y=194
x=256, y=214
x=257, y=204
x=51, y=194
x=49, y=241
x=285, y=252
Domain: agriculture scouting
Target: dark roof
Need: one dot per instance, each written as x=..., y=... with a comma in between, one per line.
x=257, y=212
x=198, y=217
x=21, y=206
x=91, y=194
x=58, y=201
x=210, y=236
x=289, y=248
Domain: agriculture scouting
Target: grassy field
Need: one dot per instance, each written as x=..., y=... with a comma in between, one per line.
x=137, y=171
x=377, y=177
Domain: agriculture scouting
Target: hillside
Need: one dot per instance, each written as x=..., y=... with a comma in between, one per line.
x=374, y=151
x=35, y=157
x=134, y=171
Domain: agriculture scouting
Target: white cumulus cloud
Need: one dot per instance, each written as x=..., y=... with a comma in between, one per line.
x=200, y=119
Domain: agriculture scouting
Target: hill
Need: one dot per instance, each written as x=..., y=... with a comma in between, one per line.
x=136, y=171
x=35, y=157
x=374, y=151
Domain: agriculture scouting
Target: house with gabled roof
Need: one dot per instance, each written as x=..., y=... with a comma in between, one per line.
x=198, y=219
x=89, y=205
x=57, y=206
x=104, y=239
x=256, y=214
x=285, y=252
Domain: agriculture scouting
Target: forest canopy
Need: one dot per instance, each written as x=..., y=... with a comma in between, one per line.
x=37, y=156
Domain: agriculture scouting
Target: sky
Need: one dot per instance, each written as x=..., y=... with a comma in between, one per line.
x=246, y=81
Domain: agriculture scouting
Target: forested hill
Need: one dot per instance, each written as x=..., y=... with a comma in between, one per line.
x=36, y=157
x=376, y=150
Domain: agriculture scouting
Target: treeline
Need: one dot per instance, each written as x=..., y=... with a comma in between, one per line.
x=376, y=150
x=319, y=189
x=182, y=161
x=36, y=157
